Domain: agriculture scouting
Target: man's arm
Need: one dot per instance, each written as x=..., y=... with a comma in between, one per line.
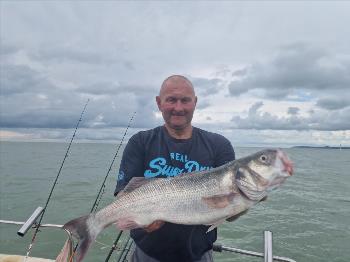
x=132, y=163
x=224, y=151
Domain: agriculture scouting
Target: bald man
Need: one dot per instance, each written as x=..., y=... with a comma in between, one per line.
x=167, y=151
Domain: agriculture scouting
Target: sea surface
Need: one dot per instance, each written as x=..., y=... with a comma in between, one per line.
x=309, y=215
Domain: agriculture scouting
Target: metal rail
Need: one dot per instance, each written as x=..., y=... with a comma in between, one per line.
x=34, y=225
x=267, y=255
x=220, y=248
x=216, y=247
x=268, y=246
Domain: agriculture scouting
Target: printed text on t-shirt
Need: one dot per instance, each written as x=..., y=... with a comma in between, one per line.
x=159, y=166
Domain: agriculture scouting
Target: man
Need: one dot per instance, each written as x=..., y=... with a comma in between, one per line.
x=167, y=151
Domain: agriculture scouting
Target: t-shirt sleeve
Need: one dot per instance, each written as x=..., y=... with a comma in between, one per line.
x=131, y=164
x=224, y=151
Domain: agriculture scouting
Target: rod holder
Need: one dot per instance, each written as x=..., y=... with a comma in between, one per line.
x=268, y=246
x=30, y=221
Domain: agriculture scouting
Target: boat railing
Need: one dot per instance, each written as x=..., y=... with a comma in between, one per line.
x=126, y=246
x=267, y=255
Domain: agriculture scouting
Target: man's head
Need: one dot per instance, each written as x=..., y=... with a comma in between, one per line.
x=177, y=102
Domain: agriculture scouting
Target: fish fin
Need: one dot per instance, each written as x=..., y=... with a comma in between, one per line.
x=219, y=201
x=81, y=229
x=155, y=225
x=66, y=252
x=229, y=219
x=136, y=182
x=236, y=216
x=255, y=195
x=216, y=224
x=126, y=224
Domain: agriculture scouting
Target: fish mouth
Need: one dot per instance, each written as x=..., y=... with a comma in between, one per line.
x=276, y=183
x=286, y=162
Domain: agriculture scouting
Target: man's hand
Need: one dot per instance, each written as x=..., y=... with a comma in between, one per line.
x=154, y=226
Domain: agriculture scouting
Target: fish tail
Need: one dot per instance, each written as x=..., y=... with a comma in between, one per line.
x=84, y=230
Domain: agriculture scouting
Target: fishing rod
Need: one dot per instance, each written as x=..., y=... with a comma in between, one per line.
x=114, y=246
x=102, y=189
x=42, y=212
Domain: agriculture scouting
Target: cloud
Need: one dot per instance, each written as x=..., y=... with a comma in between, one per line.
x=16, y=79
x=6, y=49
x=206, y=87
x=30, y=99
x=295, y=71
x=202, y=104
x=293, y=110
x=71, y=54
x=334, y=103
x=49, y=69
x=317, y=120
x=103, y=88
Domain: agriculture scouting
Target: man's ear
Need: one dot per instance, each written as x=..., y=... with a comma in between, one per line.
x=195, y=100
x=158, y=101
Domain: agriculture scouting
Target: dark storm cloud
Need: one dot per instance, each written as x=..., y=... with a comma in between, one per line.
x=319, y=120
x=294, y=71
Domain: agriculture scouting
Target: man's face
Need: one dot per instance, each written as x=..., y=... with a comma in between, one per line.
x=177, y=102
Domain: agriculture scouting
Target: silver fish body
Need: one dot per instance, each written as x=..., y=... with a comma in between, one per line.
x=199, y=198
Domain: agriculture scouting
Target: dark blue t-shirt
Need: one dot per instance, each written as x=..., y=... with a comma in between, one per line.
x=154, y=153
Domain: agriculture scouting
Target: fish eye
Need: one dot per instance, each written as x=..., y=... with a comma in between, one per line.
x=263, y=158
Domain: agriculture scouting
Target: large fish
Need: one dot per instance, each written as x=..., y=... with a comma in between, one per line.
x=199, y=198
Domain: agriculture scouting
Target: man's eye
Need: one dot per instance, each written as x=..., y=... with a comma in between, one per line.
x=171, y=100
x=185, y=100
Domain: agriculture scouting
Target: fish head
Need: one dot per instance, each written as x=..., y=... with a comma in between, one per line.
x=263, y=172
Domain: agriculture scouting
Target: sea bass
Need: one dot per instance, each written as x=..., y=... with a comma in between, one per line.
x=200, y=198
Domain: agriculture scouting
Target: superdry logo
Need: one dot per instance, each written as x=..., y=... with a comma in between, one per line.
x=121, y=175
x=160, y=167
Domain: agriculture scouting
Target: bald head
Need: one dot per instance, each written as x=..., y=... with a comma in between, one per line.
x=177, y=102
x=178, y=80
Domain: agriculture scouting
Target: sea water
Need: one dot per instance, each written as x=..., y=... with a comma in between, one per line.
x=309, y=215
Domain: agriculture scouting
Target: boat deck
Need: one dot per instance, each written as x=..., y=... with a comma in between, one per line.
x=16, y=258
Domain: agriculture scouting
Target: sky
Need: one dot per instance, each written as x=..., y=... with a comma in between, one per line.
x=266, y=73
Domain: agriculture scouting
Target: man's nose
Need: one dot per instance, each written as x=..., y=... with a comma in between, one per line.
x=178, y=106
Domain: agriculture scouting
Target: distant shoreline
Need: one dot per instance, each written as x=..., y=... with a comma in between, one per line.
x=323, y=147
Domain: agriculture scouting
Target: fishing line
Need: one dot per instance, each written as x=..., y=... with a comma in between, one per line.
x=102, y=188
x=100, y=193
x=55, y=182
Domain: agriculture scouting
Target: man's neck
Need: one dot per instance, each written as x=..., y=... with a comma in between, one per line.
x=185, y=133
